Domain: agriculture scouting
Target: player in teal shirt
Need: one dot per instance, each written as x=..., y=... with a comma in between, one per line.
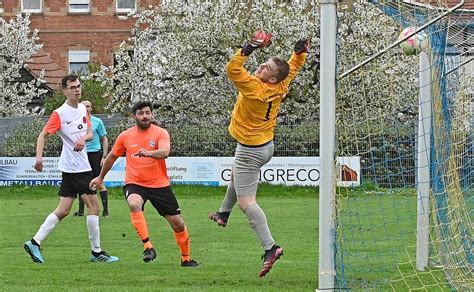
x=97, y=150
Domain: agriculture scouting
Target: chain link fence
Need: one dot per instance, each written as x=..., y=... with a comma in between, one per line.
x=388, y=160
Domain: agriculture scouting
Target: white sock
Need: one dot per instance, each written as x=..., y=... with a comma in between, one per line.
x=46, y=228
x=94, y=232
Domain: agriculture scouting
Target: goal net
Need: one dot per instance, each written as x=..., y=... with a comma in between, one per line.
x=409, y=119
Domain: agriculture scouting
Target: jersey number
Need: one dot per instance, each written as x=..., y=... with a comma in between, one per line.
x=267, y=115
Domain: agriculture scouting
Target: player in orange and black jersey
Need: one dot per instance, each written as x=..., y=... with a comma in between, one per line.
x=146, y=146
x=252, y=125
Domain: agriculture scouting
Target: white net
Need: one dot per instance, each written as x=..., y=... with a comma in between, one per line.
x=377, y=116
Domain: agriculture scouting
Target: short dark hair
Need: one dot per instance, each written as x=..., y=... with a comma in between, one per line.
x=68, y=78
x=141, y=104
x=282, y=67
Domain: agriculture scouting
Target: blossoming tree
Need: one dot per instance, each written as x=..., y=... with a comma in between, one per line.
x=177, y=54
x=17, y=44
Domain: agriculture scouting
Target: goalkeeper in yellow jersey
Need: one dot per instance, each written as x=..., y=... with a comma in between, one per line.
x=252, y=125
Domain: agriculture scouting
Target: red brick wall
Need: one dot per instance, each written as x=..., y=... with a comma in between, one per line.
x=469, y=4
x=99, y=31
x=11, y=7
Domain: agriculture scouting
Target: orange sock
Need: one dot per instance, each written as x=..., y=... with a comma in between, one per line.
x=139, y=222
x=182, y=239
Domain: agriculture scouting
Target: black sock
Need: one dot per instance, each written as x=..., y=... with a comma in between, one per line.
x=103, y=197
x=34, y=242
x=81, y=206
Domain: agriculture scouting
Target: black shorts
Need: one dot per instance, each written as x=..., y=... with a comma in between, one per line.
x=94, y=161
x=163, y=199
x=74, y=184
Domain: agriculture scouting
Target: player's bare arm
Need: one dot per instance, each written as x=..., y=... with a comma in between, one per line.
x=39, y=150
x=108, y=163
x=81, y=142
x=157, y=154
x=105, y=148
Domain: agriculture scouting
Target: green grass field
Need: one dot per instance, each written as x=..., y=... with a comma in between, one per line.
x=376, y=233
x=230, y=257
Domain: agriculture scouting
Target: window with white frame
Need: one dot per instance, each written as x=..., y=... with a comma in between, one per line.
x=32, y=6
x=79, y=62
x=126, y=6
x=79, y=6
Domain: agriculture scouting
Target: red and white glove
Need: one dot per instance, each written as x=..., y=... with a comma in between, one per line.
x=260, y=39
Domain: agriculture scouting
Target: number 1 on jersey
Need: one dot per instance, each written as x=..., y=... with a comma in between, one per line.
x=267, y=115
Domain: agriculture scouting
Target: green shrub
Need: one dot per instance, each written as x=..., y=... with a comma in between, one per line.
x=22, y=141
x=296, y=140
x=200, y=141
x=186, y=140
x=91, y=91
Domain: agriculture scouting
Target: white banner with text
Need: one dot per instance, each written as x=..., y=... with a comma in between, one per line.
x=213, y=171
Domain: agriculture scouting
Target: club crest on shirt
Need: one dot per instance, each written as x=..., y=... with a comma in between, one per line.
x=84, y=120
x=152, y=144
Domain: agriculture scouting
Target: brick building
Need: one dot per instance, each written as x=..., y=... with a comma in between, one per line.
x=75, y=32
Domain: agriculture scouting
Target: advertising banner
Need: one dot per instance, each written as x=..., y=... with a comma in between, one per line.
x=213, y=171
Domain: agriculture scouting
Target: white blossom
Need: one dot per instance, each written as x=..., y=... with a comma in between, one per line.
x=177, y=54
x=17, y=44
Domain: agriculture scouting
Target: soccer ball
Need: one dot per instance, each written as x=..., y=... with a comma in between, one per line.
x=415, y=43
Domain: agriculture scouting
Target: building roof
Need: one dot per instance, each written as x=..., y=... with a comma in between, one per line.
x=52, y=71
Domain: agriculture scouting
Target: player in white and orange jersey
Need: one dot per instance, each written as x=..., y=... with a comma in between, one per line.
x=71, y=122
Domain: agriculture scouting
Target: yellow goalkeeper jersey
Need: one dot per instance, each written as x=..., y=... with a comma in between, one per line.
x=256, y=109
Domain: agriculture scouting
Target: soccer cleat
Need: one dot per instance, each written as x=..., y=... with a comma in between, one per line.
x=103, y=257
x=189, y=263
x=269, y=258
x=220, y=217
x=78, y=214
x=149, y=254
x=33, y=251
x=105, y=214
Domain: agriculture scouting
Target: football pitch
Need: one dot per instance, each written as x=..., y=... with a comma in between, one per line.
x=230, y=257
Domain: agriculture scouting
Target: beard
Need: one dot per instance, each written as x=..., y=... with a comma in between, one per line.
x=143, y=125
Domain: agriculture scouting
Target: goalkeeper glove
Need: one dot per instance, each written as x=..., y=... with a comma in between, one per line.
x=259, y=40
x=302, y=46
